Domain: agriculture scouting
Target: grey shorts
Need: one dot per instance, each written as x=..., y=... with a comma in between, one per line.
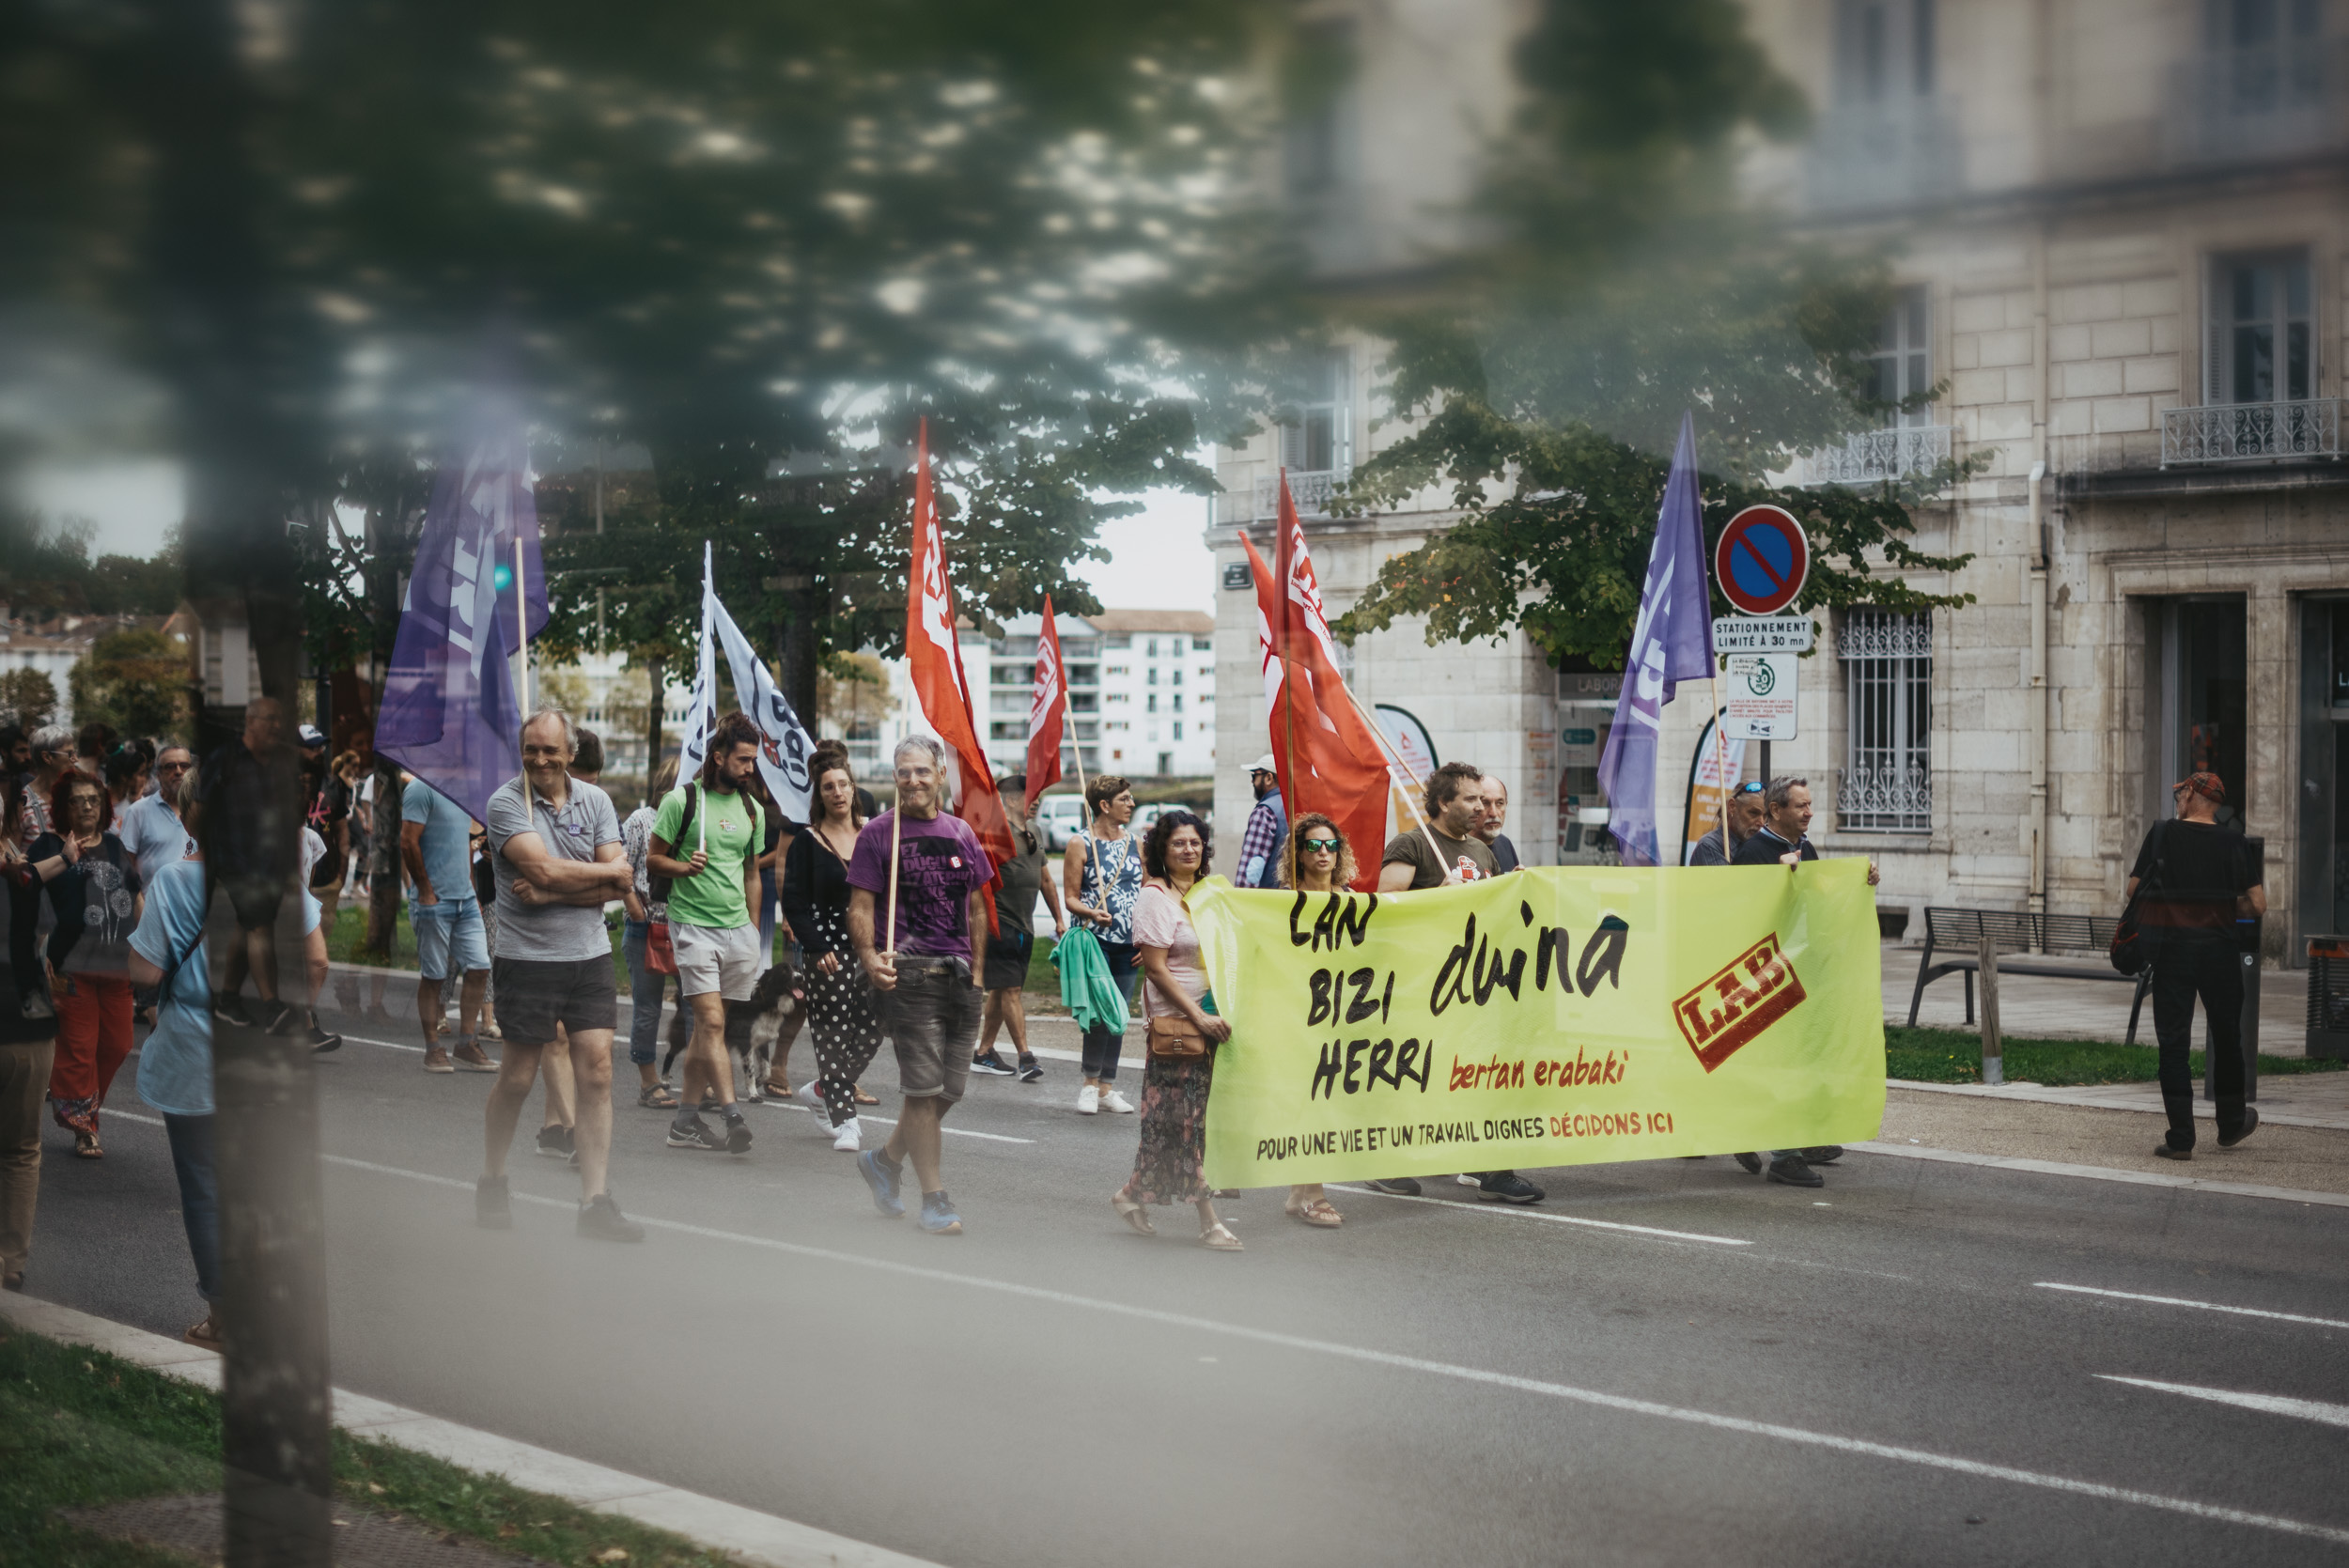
x=932, y=1016
x=725, y=959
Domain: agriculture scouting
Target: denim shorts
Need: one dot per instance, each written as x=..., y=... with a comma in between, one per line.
x=932, y=1015
x=449, y=932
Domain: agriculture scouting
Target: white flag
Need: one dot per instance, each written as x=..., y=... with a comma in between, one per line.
x=784, y=744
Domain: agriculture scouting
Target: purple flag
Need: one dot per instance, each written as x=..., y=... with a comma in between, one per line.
x=1671, y=641
x=450, y=714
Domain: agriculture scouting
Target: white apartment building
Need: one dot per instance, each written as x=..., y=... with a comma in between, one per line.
x=1141, y=687
x=2120, y=230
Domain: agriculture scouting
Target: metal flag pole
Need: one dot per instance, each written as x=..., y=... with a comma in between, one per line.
x=522, y=622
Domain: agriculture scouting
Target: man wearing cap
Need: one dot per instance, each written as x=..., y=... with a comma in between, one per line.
x=2199, y=879
x=1267, y=827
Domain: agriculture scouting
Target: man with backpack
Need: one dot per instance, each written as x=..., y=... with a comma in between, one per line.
x=2196, y=880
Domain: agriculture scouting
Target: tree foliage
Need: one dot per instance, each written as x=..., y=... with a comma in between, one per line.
x=28, y=698
x=1627, y=284
x=136, y=680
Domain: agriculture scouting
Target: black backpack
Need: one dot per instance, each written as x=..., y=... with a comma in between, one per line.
x=2128, y=942
x=660, y=886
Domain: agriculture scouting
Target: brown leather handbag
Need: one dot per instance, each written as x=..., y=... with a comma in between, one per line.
x=1175, y=1036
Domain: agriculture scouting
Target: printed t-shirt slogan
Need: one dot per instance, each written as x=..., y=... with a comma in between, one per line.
x=1557, y=1016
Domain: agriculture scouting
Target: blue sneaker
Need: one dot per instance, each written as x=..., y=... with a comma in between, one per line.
x=939, y=1216
x=883, y=1181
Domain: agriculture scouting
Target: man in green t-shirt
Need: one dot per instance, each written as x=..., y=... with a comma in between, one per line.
x=713, y=891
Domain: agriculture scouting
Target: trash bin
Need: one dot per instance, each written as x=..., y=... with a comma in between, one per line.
x=2329, y=998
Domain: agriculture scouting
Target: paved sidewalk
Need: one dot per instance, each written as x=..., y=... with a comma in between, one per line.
x=2078, y=1009
x=2302, y=1158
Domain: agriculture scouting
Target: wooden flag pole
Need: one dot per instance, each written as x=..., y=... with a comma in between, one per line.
x=1093, y=845
x=894, y=807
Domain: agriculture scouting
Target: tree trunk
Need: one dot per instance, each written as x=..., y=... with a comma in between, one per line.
x=652, y=728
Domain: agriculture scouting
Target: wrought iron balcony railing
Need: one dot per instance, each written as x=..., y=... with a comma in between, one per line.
x=1309, y=488
x=1887, y=799
x=2251, y=432
x=1873, y=457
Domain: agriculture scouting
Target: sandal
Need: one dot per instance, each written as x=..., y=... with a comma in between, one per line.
x=1317, y=1211
x=1132, y=1214
x=857, y=1090
x=206, y=1335
x=85, y=1146
x=1219, y=1236
x=778, y=1089
x=656, y=1096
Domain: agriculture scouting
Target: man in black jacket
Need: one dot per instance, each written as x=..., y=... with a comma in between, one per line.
x=2199, y=879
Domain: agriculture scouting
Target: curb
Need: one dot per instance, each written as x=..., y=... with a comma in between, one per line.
x=2077, y=1096
x=2106, y=1174
x=761, y=1540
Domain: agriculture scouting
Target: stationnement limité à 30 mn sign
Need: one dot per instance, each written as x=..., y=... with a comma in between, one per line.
x=1763, y=634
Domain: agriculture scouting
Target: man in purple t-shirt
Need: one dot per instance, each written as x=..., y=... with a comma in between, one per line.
x=928, y=968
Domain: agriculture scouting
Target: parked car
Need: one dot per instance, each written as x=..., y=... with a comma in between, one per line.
x=1146, y=815
x=1060, y=818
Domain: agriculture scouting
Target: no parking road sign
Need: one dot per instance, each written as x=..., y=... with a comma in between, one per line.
x=1762, y=560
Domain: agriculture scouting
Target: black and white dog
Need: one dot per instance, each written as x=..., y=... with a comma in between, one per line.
x=754, y=1028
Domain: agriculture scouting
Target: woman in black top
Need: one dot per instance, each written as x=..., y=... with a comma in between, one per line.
x=94, y=893
x=28, y=1030
x=816, y=902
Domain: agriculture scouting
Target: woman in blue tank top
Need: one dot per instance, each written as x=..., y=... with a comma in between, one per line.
x=1105, y=867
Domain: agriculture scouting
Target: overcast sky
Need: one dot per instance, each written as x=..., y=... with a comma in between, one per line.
x=1160, y=558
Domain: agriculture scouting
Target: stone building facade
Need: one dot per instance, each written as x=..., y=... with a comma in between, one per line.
x=2120, y=231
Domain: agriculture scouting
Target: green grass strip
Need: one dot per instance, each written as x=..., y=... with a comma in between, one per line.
x=80, y=1428
x=1952, y=1056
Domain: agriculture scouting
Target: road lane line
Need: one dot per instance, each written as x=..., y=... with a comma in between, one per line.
x=2200, y=1306
x=1500, y=1213
x=2104, y=1174
x=1592, y=1397
x=2274, y=1405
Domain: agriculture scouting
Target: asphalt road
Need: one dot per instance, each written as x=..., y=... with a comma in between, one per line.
x=1665, y=1364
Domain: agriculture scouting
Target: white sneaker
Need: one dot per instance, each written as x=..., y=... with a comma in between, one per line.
x=1088, y=1101
x=807, y=1094
x=1113, y=1100
x=848, y=1136
x=1469, y=1181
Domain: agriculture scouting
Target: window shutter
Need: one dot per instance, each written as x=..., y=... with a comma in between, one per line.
x=1293, y=446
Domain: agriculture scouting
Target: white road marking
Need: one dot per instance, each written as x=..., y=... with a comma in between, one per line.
x=1496, y=1211
x=2200, y=1306
x=2274, y=1405
x=1804, y=1435
x=387, y=1044
x=2104, y=1173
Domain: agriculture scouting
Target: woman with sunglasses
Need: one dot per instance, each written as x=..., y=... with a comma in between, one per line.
x=1316, y=859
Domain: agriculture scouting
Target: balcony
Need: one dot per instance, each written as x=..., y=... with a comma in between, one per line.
x=1310, y=490
x=1876, y=456
x=2268, y=101
x=2251, y=432
x=1894, y=152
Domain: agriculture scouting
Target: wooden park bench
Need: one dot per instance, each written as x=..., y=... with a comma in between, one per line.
x=2049, y=947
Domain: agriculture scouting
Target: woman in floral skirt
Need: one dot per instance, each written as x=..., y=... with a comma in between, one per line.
x=1168, y=1167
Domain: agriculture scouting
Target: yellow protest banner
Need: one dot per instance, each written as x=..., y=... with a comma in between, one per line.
x=1564, y=1015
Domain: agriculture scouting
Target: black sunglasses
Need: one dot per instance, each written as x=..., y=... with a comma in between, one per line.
x=1332, y=845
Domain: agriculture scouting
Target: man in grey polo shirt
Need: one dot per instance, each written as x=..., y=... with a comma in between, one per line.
x=555, y=847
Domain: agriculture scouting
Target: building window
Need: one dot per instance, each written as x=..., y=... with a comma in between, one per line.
x=1901, y=366
x=1178, y=735
x=1179, y=701
x=1121, y=640
x=1152, y=679
x=1319, y=144
x=1888, y=670
x=1318, y=439
x=2262, y=330
x=1085, y=675
x=1153, y=706
x=1203, y=644
x=1166, y=762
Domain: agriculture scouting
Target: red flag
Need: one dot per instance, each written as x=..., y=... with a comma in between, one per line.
x=1045, y=710
x=1329, y=760
x=934, y=653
